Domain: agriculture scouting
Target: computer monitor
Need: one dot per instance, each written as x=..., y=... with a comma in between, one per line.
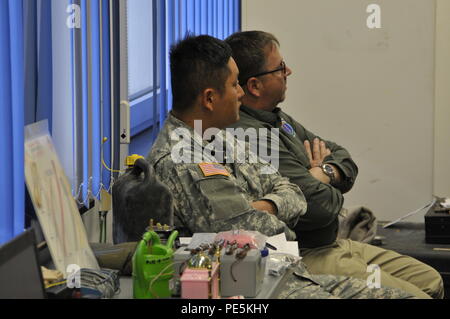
x=20, y=272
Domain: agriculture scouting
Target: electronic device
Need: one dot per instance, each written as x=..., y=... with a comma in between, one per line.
x=20, y=272
x=437, y=224
x=241, y=275
x=242, y=267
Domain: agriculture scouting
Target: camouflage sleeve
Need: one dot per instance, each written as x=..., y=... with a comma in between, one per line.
x=298, y=283
x=214, y=203
x=287, y=197
x=354, y=288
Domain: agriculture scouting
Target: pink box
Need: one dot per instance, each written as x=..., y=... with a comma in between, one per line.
x=200, y=283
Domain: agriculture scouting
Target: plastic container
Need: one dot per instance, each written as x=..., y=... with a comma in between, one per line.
x=153, y=267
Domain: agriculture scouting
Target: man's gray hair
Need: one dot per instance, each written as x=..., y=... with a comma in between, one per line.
x=249, y=52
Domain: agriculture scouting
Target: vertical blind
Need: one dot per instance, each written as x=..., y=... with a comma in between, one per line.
x=218, y=18
x=12, y=92
x=30, y=79
x=92, y=100
x=172, y=20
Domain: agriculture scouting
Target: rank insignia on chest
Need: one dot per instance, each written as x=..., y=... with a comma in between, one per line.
x=212, y=169
x=287, y=128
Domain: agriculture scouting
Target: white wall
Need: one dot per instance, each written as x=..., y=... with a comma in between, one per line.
x=371, y=91
x=442, y=102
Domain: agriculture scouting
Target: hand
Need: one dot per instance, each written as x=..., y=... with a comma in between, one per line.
x=318, y=174
x=316, y=153
x=265, y=205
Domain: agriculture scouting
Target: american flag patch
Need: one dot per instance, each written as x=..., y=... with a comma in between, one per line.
x=211, y=169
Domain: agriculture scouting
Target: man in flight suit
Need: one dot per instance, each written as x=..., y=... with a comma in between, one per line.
x=322, y=169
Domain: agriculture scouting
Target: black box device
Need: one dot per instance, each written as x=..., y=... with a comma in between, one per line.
x=437, y=224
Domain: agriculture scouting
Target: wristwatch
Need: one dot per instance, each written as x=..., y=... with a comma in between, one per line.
x=329, y=171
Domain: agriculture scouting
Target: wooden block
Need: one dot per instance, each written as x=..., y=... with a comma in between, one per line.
x=51, y=276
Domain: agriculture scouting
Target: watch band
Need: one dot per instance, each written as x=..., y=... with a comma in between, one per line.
x=329, y=171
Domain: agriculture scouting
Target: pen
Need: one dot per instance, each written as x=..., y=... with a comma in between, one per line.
x=271, y=246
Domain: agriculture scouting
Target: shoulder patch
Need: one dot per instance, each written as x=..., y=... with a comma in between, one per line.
x=287, y=128
x=212, y=169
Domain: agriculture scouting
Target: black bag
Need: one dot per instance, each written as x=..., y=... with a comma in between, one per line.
x=139, y=196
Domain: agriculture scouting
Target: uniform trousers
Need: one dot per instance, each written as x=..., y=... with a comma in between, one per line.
x=350, y=258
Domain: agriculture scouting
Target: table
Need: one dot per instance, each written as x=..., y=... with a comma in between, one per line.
x=409, y=239
x=268, y=287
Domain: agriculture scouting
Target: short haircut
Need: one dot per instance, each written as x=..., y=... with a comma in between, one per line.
x=197, y=63
x=249, y=52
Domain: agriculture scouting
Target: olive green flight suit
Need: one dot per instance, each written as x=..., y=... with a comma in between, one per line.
x=317, y=229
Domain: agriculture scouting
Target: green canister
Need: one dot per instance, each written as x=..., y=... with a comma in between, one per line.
x=153, y=267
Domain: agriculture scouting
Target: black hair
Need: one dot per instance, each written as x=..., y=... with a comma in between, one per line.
x=197, y=63
x=249, y=52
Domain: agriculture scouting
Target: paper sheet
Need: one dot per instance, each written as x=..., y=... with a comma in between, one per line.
x=446, y=203
x=52, y=199
x=283, y=246
x=201, y=238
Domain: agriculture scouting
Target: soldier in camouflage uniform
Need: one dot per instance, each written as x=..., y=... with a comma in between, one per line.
x=222, y=199
x=211, y=194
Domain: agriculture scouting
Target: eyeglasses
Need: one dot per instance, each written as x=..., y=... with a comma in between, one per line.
x=281, y=68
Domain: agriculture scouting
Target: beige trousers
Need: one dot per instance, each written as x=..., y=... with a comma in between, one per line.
x=350, y=258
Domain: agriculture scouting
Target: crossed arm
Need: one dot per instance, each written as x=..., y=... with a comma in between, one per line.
x=217, y=204
x=316, y=155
